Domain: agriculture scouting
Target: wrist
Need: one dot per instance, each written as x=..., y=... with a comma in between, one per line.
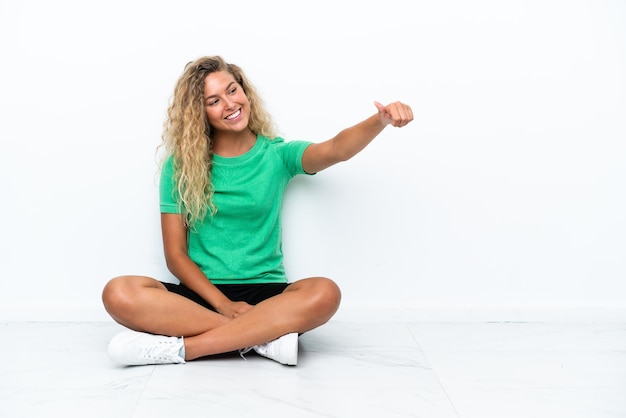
x=221, y=305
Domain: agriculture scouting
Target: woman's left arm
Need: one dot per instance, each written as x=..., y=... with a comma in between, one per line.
x=350, y=141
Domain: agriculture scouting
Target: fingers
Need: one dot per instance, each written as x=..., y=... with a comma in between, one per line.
x=236, y=309
x=396, y=114
x=240, y=308
x=380, y=107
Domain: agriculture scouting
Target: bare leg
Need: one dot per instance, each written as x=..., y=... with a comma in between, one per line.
x=144, y=304
x=303, y=306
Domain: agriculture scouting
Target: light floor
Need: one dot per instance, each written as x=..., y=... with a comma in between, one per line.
x=346, y=369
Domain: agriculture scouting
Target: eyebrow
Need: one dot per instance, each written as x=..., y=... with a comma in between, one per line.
x=226, y=89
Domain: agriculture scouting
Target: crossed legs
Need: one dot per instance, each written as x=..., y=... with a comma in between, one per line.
x=144, y=304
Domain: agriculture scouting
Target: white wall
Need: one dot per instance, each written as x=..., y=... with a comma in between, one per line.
x=507, y=193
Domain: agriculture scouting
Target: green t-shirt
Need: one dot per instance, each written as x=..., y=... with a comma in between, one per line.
x=242, y=242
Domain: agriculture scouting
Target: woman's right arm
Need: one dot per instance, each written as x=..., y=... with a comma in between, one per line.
x=178, y=262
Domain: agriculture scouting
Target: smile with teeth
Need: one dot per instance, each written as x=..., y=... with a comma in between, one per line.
x=233, y=115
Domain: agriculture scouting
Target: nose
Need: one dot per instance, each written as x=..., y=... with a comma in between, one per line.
x=228, y=103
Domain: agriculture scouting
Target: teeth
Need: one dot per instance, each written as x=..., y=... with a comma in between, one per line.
x=234, y=115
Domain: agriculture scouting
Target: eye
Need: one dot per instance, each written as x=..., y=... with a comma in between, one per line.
x=233, y=90
x=212, y=102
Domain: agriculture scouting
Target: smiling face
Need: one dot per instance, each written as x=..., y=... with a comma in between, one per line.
x=227, y=106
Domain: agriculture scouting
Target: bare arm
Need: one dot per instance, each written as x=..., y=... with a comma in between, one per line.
x=178, y=262
x=350, y=141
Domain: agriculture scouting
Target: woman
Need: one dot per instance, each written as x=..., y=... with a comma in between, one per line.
x=222, y=186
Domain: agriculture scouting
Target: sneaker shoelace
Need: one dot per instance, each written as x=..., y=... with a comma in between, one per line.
x=163, y=350
x=245, y=351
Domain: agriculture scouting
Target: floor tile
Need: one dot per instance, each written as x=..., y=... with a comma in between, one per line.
x=345, y=369
x=50, y=369
x=520, y=336
x=539, y=403
x=521, y=370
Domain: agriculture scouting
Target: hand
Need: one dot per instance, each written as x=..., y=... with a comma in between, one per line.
x=395, y=114
x=233, y=309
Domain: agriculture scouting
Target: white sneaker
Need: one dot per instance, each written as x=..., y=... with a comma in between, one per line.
x=134, y=348
x=283, y=350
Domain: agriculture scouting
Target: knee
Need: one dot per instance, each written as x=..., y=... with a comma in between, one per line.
x=327, y=295
x=117, y=295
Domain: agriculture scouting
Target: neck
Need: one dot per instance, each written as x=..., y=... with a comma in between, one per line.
x=233, y=144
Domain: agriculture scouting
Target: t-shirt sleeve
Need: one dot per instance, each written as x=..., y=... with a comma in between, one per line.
x=167, y=193
x=291, y=153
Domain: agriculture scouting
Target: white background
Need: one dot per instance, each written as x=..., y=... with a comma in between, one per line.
x=505, y=195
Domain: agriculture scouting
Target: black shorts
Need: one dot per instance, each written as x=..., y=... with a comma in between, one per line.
x=250, y=293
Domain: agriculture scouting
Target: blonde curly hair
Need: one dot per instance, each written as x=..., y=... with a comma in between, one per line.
x=187, y=134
